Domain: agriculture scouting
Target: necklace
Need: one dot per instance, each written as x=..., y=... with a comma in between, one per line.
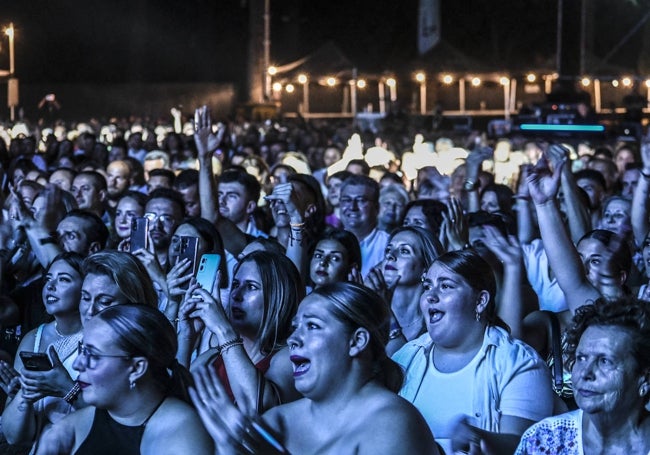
x=56, y=329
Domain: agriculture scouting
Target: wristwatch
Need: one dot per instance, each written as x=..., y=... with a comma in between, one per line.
x=470, y=185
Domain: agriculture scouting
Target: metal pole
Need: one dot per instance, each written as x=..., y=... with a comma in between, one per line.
x=513, y=95
x=461, y=94
x=382, y=97
x=267, y=48
x=423, y=97
x=558, y=45
x=10, y=33
x=305, y=96
x=597, y=100
x=506, y=100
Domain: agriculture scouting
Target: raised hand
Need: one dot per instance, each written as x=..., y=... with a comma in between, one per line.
x=454, y=231
x=543, y=184
x=506, y=249
x=205, y=138
x=231, y=428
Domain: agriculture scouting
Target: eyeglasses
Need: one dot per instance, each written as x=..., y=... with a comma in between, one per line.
x=91, y=359
x=164, y=218
x=359, y=201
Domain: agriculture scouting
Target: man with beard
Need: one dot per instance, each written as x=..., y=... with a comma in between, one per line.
x=119, y=180
x=165, y=210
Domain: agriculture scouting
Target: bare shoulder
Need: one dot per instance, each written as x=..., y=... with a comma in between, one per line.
x=176, y=428
x=279, y=417
x=393, y=425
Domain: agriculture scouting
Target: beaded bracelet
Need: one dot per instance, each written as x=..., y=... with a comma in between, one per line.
x=72, y=395
x=223, y=348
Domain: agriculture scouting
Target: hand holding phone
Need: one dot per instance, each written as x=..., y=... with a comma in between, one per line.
x=35, y=361
x=139, y=233
x=206, y=274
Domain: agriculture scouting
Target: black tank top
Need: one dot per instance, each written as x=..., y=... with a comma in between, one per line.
x=108, y=437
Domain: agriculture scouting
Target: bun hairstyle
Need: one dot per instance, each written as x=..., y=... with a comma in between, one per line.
x=142, y=331
x=358, y=306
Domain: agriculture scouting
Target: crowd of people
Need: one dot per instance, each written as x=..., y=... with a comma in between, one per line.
x=387, y=292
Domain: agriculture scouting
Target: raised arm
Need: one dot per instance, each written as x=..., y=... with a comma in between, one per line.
x=514, y=300
x=285, y=194
x=246, y=383
x=580, y=220
x=206, y=143
x=525, y=223
x=641, y=199
x=561, y=252
x=474, y=161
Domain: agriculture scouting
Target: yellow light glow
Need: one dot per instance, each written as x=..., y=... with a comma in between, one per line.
x=273, y=70
x=420, y=77
x=277, y=87
x=586, y=81
x=361, y=83
x=289, y=88
x=627, y=81
x=531, y=78
x=504, y=80
x=615, y=83
x=391, y=82
x=447, y=79
x=647, y=83
x=302, y=78
x=331, y=81
x=476, y=81
x=9, y=31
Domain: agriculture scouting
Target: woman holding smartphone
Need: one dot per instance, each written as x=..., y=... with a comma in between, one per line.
x=248, y=340
x=47, y=396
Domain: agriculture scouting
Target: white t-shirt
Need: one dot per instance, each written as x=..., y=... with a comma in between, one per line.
x=433, y=401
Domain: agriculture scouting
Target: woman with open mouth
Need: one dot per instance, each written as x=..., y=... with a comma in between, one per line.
x=347, y=381
x=248, y=340
x=493, y=387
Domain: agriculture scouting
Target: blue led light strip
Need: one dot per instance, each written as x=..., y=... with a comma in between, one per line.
x=571, y=128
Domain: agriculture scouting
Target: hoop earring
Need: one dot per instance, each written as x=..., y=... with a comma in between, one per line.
x=132, y=385
x=643, y=390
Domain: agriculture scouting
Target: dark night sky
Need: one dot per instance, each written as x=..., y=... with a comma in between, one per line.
x=202, y=40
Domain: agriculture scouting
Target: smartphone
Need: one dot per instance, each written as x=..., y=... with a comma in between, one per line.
x=206, y=275
x=187, y=250
x=139, y=233
x=35, y=361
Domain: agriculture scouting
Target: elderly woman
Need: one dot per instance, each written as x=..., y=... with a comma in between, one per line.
x=500, y=382
x=609, y=351
x=129, y=374
x=348, y=383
